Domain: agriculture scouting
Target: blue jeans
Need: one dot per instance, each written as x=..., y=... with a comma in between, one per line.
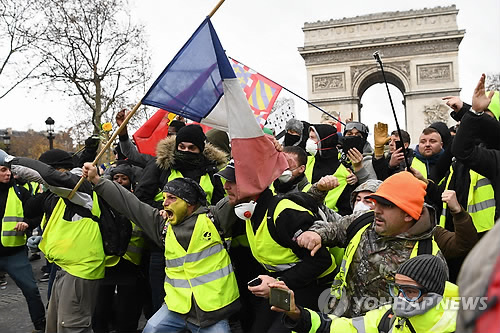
x=19, y=269
x=166, y=321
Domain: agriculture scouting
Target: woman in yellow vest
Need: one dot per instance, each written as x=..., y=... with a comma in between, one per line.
x=418, y=307
x=200, y=285
x=13, y=257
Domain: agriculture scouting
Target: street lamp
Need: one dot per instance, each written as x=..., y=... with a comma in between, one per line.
x=50, y=130
x=6, y=142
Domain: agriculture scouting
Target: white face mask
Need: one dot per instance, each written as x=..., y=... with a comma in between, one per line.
x=360, y=206
x=285, y=177
x=311, y=147
x=245, y=210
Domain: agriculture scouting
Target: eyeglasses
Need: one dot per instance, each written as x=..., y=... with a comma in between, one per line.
x=410, y=293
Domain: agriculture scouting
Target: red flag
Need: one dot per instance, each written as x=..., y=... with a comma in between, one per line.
x=339, y=125
x=153, y=130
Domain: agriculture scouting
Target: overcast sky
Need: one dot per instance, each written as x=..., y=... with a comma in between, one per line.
x=265, y=35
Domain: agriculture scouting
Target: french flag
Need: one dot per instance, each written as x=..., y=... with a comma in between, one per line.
x=200, y=84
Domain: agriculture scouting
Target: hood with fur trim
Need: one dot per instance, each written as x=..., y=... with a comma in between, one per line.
x=166, y=147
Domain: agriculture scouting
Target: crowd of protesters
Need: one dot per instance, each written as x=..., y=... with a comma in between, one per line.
x=353, y=238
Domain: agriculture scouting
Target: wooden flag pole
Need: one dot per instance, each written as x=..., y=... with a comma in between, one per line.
x=216, y=8
x=108, y=144
x=125, y=122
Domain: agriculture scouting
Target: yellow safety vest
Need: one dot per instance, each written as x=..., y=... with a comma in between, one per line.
x=333, y=195
x=75, y=246
x=32, y=187
x=270, y=254
x=480, y=202
x=13, y=214
x=205, y=183
x=305, y=189
x=420, y=166
x=134, y=249
x=440, y=319
x=204, y=271
x=340, y=282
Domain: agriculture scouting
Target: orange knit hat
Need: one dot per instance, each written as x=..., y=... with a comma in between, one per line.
x=403, y=190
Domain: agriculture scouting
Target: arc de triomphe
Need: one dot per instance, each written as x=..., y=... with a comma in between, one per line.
x=419, y=49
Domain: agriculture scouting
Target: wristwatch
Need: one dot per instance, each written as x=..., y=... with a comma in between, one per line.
x=476, y=113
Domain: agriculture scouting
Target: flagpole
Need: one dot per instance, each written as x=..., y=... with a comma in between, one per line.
x=108, y=144
x=291, y=92
x=215, y=8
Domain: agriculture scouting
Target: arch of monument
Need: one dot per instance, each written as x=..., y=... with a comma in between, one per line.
x=419, y=50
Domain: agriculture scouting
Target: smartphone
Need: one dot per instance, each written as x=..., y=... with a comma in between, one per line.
x=280, y=298
x=254, y=282
x=399, y=144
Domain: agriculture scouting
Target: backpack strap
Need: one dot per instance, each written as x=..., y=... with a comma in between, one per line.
x=18, y=191
x=424, y=246
x=211, y=216
x=357, y=224
x=385, y=322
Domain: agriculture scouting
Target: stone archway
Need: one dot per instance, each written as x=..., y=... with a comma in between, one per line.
x=419, y=49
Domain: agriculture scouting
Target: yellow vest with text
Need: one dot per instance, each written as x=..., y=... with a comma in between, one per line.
x=333, y=195
x=14, y=213
x=480, y=202
x=440, y=319
x=340, y=282
x=134, y=248
x=270, y=254
x=75, y=246
x=205, y=183
x=204, y=271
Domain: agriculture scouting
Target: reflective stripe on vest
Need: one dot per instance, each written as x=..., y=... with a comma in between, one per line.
x=333, y=195
x=480, y=202
x=13, y=214
x=135, y=246
x=340, y=282
x=205, y=183
x=204, y=271
x=420, y=166
x=75, y=246
x=359, y=324
x=270, y=254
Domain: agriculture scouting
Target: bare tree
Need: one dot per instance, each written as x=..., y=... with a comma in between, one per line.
x=19, y=32
x=95, y=51
x=493, y=81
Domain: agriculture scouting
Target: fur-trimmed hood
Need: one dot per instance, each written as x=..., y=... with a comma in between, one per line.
x=166, y=147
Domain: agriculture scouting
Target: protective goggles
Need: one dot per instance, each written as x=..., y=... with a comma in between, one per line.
x=357, y=125
x=409, y=292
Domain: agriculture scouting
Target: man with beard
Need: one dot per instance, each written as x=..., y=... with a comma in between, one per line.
x=201, y=289
x=377, y=242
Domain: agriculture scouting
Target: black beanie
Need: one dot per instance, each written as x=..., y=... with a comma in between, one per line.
x=193, y=134
x=428, y=270
x=186, y=189
x=125, y=169
x=58, y=159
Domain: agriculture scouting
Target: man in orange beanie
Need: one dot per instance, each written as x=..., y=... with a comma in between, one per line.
x=398, y=228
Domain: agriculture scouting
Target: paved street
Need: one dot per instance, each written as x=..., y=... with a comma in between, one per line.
x=14, y=316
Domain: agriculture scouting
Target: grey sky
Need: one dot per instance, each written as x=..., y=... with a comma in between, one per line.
x=265, y=35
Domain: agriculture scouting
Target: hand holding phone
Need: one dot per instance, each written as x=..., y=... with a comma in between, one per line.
x=254, y=282
x=280, y=298
x=399, y=144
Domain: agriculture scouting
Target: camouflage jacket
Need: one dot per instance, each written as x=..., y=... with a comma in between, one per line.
x=375, y=261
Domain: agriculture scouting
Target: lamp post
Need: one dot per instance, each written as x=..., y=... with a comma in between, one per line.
x=50, y=130
x=6, y=142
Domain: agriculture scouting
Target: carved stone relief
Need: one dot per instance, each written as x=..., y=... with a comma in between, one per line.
x=402, y=66
x=387, y=51
x=328, y=82
x=435, y=72
x=436, y=112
